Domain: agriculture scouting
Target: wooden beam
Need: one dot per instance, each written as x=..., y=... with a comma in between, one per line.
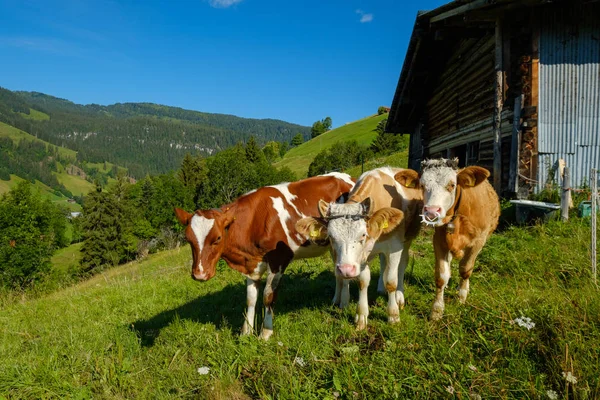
x=498, y=101
x=515, y=147
x=459, y=10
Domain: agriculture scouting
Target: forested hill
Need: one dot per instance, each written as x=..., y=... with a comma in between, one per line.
x=144, y=137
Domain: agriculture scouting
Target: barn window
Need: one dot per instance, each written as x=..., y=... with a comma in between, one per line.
x=472, y=153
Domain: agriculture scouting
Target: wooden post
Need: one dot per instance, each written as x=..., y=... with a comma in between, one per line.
x=498, y=100
x=515, y=147
x=565, y=197
x=594, y=184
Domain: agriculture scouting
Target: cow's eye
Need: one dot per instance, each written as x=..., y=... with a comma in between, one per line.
x=363, y=238
x=450, y=186
x=217, y=240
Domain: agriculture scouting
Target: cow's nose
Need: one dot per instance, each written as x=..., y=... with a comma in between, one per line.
x=432, y=211
x=198, y=276
x=346, y=270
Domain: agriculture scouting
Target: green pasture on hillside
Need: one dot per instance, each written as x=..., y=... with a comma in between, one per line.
x=299, y=158
x=45, y=191
x=35, y=115
x=75, y=184
x=16, y=135
x=147, y=330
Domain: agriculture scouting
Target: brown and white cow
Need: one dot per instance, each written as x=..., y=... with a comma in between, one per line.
x=380, y=217
x=256, y=234
x=464, y=209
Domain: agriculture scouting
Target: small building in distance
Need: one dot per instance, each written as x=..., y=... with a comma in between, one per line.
x=510, y=85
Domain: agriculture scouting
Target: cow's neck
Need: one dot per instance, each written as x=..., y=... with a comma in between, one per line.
x=452, y=212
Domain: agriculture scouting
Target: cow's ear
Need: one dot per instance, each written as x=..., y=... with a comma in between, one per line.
x=472, y=176
x=408, y=178
x=323, y=208
x=312, y=228
x=384, y=221
x=366, y=206
x=183, y=216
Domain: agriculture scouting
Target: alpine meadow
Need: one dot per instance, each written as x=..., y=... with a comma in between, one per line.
x=236, y=200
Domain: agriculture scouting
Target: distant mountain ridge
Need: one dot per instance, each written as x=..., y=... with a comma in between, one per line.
x=146, y=138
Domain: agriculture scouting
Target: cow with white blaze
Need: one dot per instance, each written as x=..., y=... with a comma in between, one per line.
x=464, y=209
x=255, y=234
x=380, y=217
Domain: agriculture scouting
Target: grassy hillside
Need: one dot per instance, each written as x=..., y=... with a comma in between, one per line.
x=75, y=184
x=299, y=158
x=16, y=135
x=35, y=115
x=46, y=192
x=146, y=330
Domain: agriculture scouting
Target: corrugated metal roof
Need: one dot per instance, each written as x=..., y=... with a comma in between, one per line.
x=569, y=102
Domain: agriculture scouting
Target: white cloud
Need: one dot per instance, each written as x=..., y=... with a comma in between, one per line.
x=223, y=3
x=364, y=17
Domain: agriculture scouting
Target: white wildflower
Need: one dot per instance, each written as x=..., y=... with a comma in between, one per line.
x=280, y=344
x=472, y=367
x=203, y=370
x=336, y=394
x=475, y=396
x=569, y=377
x=300, y=361
x=552, y=395
x=450, y=389
x=524, y=322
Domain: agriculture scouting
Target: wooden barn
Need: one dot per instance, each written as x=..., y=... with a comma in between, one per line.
x=510, y=85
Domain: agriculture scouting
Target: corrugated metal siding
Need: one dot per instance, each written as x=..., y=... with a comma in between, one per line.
x=569, y=95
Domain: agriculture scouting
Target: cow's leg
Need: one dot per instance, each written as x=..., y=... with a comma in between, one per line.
x=390, y=280
x=363, y=302
x=382, y=267
x=342, y=292
x=443, y=258
x=401, y=270
x=269, y=297
x=252, y=287
x=465, y=268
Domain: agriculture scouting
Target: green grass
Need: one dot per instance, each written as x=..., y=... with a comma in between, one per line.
x=299, y=158
x=67, y=259
x=16, y=135
x=35, y=115
x=75, y=184
x=142, y=331
x=399, y=160
x=46, y=191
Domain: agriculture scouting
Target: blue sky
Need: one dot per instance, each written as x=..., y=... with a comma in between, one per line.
x=295, y=60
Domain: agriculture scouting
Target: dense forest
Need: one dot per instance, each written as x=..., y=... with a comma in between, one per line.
x=143, y=137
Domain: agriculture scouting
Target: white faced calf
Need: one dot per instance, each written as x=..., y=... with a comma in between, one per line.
x=353, y=231
x=464, y=209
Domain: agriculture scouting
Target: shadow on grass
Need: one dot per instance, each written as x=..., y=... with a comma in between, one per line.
x=296, y=291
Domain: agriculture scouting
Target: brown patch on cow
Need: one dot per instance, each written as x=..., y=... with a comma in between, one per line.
x=390, y=288
x=361, y=284
x=439, y=282
x=408, y=178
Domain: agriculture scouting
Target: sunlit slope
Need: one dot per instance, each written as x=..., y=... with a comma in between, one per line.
x=299, y=158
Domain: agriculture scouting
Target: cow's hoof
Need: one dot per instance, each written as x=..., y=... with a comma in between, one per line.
x=462, y=295
x=265, y=334
x=361, y=322
x=437, y=313
x=247, y=330
x=400, y=299
x=393, y=319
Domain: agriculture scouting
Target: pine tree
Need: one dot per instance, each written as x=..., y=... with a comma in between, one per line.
x=105, y=229
x=253, y=152
x=297, y=140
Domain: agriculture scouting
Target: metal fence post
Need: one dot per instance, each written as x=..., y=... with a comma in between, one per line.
x=565, y=196
x=594, y=186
